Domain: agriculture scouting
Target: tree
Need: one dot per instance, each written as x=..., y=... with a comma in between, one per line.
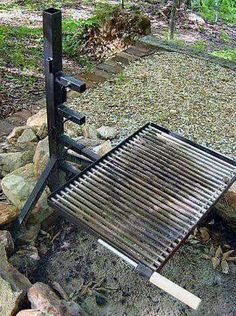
x=172, y=19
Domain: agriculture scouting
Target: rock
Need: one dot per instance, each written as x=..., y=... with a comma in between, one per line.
x=25, y=260
x=8, y=213
x=27, y=136
x=43, y=131
x=14, y=160
x=226, y=207
x=41, y=156
x=89, y=131
x=88, y=142
x=37, y=119
x=43, y=298
x=10, y=298
x=13, y=286
x=28, y=233
x=196, y=19
x=31, y=312
x=6, y=241
x=16, y=132
x=107, y=132
x=103, y=149
x=18, y=185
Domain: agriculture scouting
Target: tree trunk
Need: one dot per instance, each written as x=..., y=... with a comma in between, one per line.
x=122, y=4
x=172, y=19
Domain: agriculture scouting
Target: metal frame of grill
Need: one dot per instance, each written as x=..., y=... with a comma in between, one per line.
x=109, y=168
x=185, y=200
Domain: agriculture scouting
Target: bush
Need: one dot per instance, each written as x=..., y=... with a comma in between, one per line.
x=109, y=26
x=229, y=54
x=209, y=9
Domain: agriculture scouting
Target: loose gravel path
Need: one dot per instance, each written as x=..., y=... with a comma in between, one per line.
x=190, y=96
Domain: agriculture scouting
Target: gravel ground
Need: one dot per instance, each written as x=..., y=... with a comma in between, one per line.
x=190, y=96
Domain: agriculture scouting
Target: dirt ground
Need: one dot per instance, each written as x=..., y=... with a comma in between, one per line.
x=106, y=286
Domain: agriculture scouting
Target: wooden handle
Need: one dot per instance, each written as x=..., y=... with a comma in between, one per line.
x=175, y=290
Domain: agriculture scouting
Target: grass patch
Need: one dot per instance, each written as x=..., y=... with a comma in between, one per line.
x=199, y=46
x=211, y=10
x=229, y=54
x=20, y=47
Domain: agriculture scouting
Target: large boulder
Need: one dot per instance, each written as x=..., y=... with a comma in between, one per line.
x=103, y=148
x=42, y=131
x=107, y=132
x=38, y=119
x=18, y=185
x=14, y=160
x=44, y=299
x=27, y=136
x=10, y=298
x=6, y=241
x=226, y=207
x=13, y=286
x=41, y=156
x=89, y=131
x=8, y=213
x=16, y=132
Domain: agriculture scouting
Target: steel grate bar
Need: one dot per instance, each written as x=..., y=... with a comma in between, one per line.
x=211, y=173
x=179, y=171
x=182, y=189
x=203, y=165
x=190, y=149
x=147, y=195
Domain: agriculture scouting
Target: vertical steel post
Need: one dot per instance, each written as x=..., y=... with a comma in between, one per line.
x=52, y=31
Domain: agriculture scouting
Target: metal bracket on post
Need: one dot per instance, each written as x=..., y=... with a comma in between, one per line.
x=56, y=85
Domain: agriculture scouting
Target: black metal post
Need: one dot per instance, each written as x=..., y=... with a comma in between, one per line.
x=55, y=93
x=56, y=84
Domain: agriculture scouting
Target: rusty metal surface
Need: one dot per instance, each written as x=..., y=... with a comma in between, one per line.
x=147, y=195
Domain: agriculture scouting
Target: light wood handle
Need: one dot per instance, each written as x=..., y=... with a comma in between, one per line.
x=175, y=290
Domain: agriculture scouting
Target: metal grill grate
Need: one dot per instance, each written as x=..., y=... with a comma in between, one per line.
x=145, y=197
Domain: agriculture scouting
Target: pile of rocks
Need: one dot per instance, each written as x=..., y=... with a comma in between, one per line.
x=23, y=157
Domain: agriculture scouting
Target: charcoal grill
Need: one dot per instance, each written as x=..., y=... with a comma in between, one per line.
x=143, y=198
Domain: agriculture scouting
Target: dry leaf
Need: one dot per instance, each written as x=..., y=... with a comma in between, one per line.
x=205, y=236
x=224, y=266
x=215, y=262
x=212, y=250
x=206, y=257
x=227, y=254
x=231, y=259
x=195, y=231
x=218, y=252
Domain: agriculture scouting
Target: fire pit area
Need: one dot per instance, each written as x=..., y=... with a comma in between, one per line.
x=142, y=200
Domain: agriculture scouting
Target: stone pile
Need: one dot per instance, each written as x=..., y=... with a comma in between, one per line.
x=22, y=159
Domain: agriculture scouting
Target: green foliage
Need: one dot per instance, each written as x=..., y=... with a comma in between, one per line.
x=20, y=47
x=199, y=45
x=74, y=32
x=229, y=54
x=224, y=37
x=103, y=11
x=41, y=4
x=210, y=9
